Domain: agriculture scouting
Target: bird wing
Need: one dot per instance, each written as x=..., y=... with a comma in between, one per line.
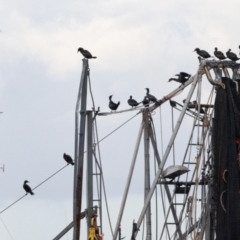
x=185, y=74
x=27, y=188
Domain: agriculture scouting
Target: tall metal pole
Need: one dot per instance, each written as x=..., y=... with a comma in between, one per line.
x=79, y=150
x=147, y=174
x=89, y=168
x=128, y=181
x=159, y=172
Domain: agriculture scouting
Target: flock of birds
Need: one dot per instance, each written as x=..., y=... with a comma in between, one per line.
x=218, y=54
x=28, y=189
x=182, y=77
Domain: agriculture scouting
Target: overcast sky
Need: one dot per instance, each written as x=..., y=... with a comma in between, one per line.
x=138, y=44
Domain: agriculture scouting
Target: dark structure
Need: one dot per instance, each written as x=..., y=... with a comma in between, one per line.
x=146, y=101
x=182, y=77
x=132, y=102
x=219, y=54
x=226, y=167
x=27, y=188
x=68, y=159
x=134, y=230
x=232, y=56
x=150, y=97
x=202, y=53
x=113, y=106
x=85, y=53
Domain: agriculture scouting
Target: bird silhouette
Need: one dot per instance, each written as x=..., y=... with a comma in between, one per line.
x=202, y=53
x=134, y=230
x=68, y=159
x=182, y=77
x=146, y=101
x=232, y=56
x=149, y=96
x=27, y=187
x=219, y=54
x=132, y=102
x=113, y=106
x=85, y=53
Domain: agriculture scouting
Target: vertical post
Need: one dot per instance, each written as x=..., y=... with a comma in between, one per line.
x=128, y=182
x=89, y=168
x=167, y=151
x=147, y=174
x=79, y=149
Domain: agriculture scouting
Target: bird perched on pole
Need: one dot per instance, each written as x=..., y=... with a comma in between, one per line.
x=68, y=159
x=27, y=188
x=85, y=53
x=113, y=106
x=149, y=96
x=134, y=230
x=182, y=77
x=202, y=53
x=132, y=102
x=232, y=56
x=146, y=101
x=219, y=54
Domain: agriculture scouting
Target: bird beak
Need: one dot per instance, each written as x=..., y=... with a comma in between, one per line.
x=194, y=50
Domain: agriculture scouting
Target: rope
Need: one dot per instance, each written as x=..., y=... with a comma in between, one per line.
x=33, y=189
x=6, y=228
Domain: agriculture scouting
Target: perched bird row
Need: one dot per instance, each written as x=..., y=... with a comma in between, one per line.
x=132, y=102
x=28, y=189
x=230, y=55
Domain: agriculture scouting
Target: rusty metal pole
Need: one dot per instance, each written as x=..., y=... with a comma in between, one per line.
x=79, y=150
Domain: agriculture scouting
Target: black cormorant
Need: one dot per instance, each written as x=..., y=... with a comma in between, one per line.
x=27, y=188
x=68, y=159
x=113, y=106
x=219, y=54
x=202, y=53
x=232, y=56
x=132, y=102
x=85, y=53
x=150, y=97
x=145, y=101
x=182, y=77
x=134, y=230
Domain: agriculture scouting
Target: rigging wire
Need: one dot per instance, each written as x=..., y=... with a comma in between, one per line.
x=6, y=228
x=33, y=189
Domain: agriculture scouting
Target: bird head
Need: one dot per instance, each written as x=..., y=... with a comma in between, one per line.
x=147, y=89
x=177, y=75
x=170, y=80
x=80, y=49
x=196, y=50
x=130, y=97
x=110, y=97
x=229, y=50
x=26, y=181
x=216, y=49
x=64, y=154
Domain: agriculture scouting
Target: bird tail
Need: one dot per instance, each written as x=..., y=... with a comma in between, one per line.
x=31, y=193
x=72, y=163
x=94, y=57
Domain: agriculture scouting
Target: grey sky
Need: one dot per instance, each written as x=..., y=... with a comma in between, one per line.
x=139, y=44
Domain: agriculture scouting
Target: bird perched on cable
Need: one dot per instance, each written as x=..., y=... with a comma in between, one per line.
x=202, y=53
x=232, y=56
x=146, y=101
x=182, y=77
x=134, y=230
x=149, y=96
x=85, y=53
x=68, y=159
x=219, y=54
x=112, y=105
x=27, y=188
x=132, y=102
